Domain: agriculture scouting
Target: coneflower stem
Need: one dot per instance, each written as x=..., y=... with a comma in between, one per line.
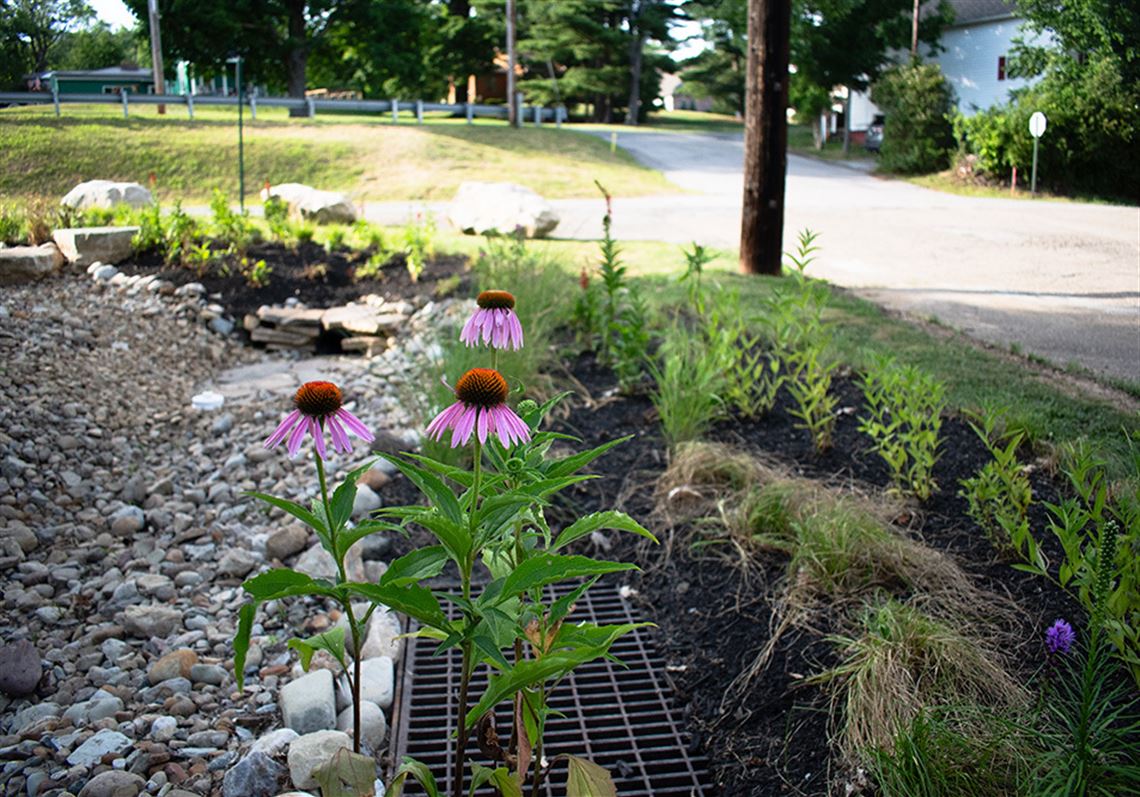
x=468, y=651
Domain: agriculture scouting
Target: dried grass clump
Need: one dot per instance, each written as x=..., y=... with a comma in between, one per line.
x=903, y=662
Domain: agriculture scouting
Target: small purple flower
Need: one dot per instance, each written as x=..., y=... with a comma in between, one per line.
x=480, y=409
x=318, y=407
x=495, y=322
x=1059, y=637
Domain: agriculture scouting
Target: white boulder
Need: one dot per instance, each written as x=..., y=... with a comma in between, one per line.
x=321, y=207
x=106, y=194
x=481, y=208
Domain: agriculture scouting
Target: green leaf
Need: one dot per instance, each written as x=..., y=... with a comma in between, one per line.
x=282, y=582
x=454, y=536
x=411, y=767
x=587, y=779
x=344, y=496
x=416, y=566
x=294, y=509
x=241, y=642
x=561, y=607
x=457, y=475
x=619, y=521
x=347, y=774
x=431, y=486
x=524, y=674
x=331, y=641
x=413, y=600
x=349, y=537
x=548, y=568
x=576, y=462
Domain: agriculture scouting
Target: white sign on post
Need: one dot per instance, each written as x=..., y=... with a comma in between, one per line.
x=1037, y=124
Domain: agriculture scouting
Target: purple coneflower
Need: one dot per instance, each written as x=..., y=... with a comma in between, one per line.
x=1059, y=637
x=481, y=408
x=318, y=405
x=495, y=322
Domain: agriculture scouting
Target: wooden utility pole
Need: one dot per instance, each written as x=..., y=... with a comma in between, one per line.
x=914, y=32
x=512, y=105
x=765, y=136
x=156, y=52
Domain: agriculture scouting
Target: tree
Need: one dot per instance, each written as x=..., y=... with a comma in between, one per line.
x=38, y=25
x=765, y=136
x=97, y=47
x=917, y=102
x=586, y=51
x=718, y=72
x=275, y=38
x=1086, y=55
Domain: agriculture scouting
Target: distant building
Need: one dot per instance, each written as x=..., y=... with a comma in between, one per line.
x=676, y=98
x=110, y=80
x=974, y=57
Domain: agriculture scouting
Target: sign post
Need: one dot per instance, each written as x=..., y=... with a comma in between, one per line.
x=1036, y=129
x=236, y=61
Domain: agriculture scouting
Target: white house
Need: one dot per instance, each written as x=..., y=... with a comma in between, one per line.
x=974, y=53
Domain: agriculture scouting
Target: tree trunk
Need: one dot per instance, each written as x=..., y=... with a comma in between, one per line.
x=847, y=124
x=636, y=49
x=512, y=105
x=765, y=136
x=297, y=56
x=461, y=9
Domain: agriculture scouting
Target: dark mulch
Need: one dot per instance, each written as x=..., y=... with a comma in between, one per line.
x=313, y=275
x=712, y=619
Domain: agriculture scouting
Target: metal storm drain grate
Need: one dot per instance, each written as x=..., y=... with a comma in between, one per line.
x=620, y=718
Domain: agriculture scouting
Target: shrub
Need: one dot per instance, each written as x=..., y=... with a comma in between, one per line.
x=276, y=212
x=11, y=225
x=918, y=103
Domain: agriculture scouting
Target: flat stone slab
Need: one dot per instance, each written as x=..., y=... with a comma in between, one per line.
x=85, y=245
x=284, y=337
x=290, y=316
x=360, y=319
x=20, y=264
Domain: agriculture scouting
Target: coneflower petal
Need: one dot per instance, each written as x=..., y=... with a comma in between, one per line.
x=296, y=436
x=283, y=429
x=485, y=419
x=318, y=437
x=355, y=425
x=339, y=436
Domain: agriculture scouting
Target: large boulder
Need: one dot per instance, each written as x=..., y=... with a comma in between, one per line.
x=481, y=208
x=321, y=207
x=106, y=194
x=27, y=263
x=84, y=245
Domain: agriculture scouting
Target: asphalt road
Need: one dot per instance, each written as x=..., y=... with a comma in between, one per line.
x=1060, y=280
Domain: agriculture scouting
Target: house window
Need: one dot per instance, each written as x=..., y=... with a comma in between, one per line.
x=1001, y=67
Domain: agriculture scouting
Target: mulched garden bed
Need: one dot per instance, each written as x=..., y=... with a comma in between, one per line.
x=713, y=618
x=315, y=276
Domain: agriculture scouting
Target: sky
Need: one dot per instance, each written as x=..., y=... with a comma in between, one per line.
x=113, y=12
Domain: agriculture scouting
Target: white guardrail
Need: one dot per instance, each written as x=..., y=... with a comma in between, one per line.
x=310, y=105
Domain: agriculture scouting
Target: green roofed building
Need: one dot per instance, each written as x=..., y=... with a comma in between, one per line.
x=111, y=80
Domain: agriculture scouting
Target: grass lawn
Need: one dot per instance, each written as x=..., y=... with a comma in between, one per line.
x=800, y=142
x=368, y=157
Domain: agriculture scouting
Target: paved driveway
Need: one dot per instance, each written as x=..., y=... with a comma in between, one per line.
x=1061, y=280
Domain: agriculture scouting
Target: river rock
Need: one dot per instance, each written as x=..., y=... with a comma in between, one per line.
x=237, y=562
x=313, y=750
x=382, y=638
x=286, y=542
x=150, y=622
x=377, y=681
x=114, y=783
x=256, y=775
x=175, y=664
x=373, y=724
x=92, y=751
x=127, y=520
x=308, y=703
x=20, y=668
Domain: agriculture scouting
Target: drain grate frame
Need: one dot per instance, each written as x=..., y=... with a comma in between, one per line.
x=619, y=717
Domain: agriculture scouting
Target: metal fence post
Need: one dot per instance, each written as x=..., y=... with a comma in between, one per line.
x=395, y=112
x=519, y=109
x=419, y=112
x=312, y=107
x=253, y=105
x=190, y=105
x=538, y=116
x=558, y=109
x=123, y=93
x=470, y=112
x=55, y=98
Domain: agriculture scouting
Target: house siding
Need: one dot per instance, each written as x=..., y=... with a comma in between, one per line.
x=969, y=60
